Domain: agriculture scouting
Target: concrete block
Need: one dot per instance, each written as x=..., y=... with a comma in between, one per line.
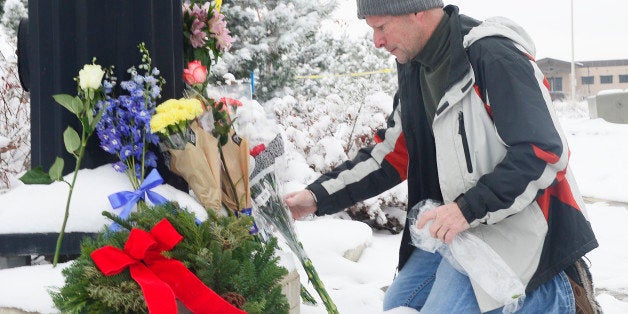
x=291, y=288
x=612, y=107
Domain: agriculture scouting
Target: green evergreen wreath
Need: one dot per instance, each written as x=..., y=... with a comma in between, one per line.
x=220, y=252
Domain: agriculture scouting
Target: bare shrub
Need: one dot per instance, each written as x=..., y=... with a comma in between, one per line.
x=14, y=121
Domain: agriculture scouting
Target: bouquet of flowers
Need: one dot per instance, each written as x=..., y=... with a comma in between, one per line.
x=226, y=154
x=234, y=154
x=193, y=152
x=205, y=31
x=124, y=131
x=268, y=203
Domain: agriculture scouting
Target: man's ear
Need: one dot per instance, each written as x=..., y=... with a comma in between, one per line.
x=419, y=16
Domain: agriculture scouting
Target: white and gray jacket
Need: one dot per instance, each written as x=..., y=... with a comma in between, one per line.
x=495, y=148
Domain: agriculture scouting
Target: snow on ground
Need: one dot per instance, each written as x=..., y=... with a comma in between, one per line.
x=23, y=213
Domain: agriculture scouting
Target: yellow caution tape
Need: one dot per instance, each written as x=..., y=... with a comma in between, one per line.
x=347, y=74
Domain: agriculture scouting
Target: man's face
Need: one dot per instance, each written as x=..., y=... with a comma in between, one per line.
x=401, y=35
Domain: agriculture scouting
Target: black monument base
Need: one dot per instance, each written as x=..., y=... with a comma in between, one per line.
x=41, y=244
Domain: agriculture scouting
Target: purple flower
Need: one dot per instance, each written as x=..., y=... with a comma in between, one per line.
x=197, y=35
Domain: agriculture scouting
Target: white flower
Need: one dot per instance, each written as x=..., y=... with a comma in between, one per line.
x=91, y=76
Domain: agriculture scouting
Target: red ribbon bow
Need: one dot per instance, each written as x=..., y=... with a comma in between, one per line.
x=161, y=279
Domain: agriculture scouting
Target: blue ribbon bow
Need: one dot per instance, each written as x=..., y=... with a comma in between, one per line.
x=128, y=199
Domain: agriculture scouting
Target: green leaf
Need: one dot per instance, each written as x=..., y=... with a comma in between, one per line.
x=55, y=172
x=71, y=140
x=73, y=104
x=36, y=176
x=85, y=123
x=90, y=121
x=97, y=119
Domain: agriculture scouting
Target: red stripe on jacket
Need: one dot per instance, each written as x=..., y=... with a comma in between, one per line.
x=398, y=158
x=560, y=190
x=488, y=108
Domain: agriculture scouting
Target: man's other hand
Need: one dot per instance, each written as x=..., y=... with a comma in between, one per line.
x=448, y=222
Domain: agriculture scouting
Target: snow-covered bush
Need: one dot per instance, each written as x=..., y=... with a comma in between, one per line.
x=327, y=131
x=12, y=12
x=14, y=118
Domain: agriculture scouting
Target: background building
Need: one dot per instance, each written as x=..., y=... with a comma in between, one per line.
x=591, y=76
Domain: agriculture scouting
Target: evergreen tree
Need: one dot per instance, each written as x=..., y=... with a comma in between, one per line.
x=269, y=35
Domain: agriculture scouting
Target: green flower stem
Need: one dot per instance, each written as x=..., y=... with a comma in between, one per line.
x=306, y=296
x=274, y=211
x=312, y=275
x=233, y=188
x=55, y=259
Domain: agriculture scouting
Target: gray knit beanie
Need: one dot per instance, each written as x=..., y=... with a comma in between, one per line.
x=394, y=7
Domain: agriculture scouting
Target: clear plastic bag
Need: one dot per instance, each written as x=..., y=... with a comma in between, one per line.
x=471, y=256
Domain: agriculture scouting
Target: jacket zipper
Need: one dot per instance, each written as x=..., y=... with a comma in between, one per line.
x=465, y=143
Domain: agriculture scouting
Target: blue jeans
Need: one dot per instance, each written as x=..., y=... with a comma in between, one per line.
x=431, y=285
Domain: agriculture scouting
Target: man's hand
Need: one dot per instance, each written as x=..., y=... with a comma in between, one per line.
x=448, y=222
x=301, y=203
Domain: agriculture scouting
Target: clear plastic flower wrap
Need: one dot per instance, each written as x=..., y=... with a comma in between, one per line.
x=471, y=256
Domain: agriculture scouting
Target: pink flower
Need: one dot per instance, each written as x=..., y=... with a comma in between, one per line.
x=200, y=12
x=196, y=73
x=197, y=35
x=218, y=30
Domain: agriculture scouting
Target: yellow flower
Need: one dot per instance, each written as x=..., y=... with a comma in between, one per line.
x=175, y=111
x=158, y=123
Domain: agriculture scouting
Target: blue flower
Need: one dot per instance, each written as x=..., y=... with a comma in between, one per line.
x=155, y=92
x=138, y=92
x=138, y=79
x=125, y=152
x=108, y=86
x=124, y=129
x=150, y=80
x=119, y=166
x=151, y=160
x=128, y=85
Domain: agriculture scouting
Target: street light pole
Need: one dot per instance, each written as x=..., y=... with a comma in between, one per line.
x=573, y=62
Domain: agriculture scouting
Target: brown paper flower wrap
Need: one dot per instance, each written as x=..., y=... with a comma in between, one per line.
x=236, y=193
x=199, y=165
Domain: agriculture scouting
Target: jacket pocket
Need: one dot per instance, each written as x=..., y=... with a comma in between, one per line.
x=465, y=143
